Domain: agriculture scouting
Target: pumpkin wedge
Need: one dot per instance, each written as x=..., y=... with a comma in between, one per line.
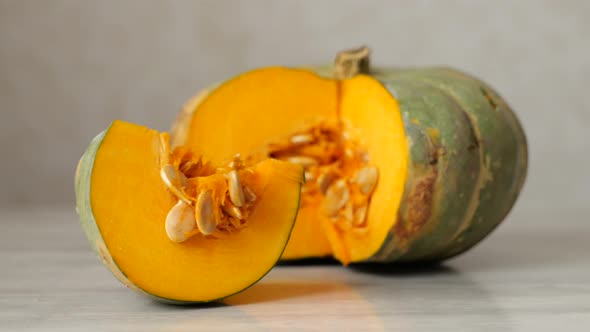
x=400, y=164
x=170, y=225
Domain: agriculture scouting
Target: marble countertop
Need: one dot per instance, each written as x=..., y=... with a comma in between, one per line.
x=532, y=274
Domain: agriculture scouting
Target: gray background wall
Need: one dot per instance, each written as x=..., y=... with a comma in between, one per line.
x=67, y=68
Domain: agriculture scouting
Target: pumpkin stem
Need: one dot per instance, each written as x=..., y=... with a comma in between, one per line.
x=349, y=63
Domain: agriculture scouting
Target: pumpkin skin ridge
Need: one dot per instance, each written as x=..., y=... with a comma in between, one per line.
x=481, y=178
x=93, y=234
x=486, y=176
x=428, y=158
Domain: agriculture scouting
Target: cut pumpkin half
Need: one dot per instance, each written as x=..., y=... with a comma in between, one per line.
x=178, y=228
x=401, y=164
x=335, y=129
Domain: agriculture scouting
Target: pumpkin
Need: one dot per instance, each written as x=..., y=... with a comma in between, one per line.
x=173, y=226
x=416, y=164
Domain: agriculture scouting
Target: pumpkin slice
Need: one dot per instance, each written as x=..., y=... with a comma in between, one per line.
x=170, y=225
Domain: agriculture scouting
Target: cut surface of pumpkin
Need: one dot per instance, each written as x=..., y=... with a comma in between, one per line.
x=335, y=129
x=178, y=227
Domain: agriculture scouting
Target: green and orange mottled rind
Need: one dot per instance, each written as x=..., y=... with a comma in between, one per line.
x=468, y=162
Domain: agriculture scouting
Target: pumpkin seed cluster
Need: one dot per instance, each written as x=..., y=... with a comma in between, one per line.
x=337, y=169
x=200, y=213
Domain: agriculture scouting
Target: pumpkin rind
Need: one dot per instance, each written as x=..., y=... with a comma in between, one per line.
x=468, y=139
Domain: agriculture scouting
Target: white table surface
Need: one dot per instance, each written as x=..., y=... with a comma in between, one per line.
x=532, y=274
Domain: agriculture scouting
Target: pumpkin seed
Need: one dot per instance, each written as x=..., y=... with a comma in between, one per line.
x=232, y=210
x=190, y=167
x=360, y=214
x=337, y=196
x=348, y=213
x=325, y=180
x=236, y=162
x=175, y=181
x=349, y=153
x=364, y=157
x=164, y=150
x=180, y=221
x=303, y=161
x=249, y=195
x=301, y=139
x=237, y=223
x=366, y=178
x=204, y=213
x=236, y=194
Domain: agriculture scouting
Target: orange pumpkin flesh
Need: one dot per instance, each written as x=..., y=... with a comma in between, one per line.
x=262, y=108
x=129, y=203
